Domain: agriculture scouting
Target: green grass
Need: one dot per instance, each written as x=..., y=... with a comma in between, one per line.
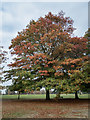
x=86, y=96
x=30, y=96
x=43, y=96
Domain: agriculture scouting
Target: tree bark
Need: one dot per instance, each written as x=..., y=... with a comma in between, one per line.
x=76, y=95
x=47, y=95
x=18, y=95
x=58, y=95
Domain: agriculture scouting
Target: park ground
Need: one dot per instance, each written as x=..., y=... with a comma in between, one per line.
x=38, y=107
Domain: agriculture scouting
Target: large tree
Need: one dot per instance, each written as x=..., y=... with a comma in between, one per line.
x=44, y=48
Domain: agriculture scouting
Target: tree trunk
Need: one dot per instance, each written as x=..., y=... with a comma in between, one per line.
x=76, y=95
x=47, y=95
x=18, y=95
x=58, y=95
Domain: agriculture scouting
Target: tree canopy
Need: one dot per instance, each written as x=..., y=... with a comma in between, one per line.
x=48, y=56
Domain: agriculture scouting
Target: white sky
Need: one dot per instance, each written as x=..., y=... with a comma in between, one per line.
x=16, y=15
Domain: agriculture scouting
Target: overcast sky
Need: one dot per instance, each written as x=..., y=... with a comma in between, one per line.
x=16, y=15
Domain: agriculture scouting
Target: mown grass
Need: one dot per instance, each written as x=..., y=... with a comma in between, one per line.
x=43, y=96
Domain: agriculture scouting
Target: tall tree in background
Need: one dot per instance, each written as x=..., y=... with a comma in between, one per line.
x=86, y=67
x=87, y=33
x=76, y=63
x=3, y=58
x=45, y=49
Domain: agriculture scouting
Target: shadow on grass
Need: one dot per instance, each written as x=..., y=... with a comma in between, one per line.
x=51, y=100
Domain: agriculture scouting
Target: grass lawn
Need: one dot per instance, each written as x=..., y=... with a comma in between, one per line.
x=43, y=96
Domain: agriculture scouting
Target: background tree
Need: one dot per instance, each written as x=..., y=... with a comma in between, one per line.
x=78, y=66
x=87, y=33
x=85, y=85
x=3, y=58
x=86, y=77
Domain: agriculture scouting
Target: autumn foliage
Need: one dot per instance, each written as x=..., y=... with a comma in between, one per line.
x=47, y=50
